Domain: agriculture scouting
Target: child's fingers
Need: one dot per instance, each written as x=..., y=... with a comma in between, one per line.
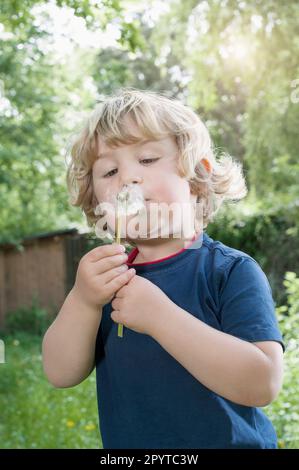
x=113, y=273
x=108, y=263
x=101, y=252
x=120, y=280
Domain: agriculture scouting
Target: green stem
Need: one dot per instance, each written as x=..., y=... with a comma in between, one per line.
x=118, y=235
x=120, y=330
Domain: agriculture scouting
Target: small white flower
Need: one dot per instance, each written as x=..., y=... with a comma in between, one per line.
x=130, y=200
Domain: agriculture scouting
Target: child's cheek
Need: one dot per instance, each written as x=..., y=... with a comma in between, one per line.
x=162, y=193
x=172, y=189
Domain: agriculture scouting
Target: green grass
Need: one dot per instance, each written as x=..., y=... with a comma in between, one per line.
x=33, y=413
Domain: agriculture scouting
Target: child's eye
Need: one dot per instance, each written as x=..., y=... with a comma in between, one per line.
x=109, y=173
x=147, y=160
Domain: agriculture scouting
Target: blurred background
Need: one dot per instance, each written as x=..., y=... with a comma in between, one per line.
x=236, y=64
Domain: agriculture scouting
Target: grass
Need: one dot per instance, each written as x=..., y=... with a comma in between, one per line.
x=33, y=413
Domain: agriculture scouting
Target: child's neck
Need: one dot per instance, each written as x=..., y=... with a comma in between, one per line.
x=154, y=249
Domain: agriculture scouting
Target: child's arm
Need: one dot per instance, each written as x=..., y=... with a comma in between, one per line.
x=69, y=343
x=236, y=362
x=235, y=369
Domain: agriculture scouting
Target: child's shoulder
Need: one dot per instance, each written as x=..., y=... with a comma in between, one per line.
x=224, y=255
x=225, y=263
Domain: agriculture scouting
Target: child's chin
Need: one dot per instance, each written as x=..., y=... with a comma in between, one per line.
x=136, y=230
x=154, y=235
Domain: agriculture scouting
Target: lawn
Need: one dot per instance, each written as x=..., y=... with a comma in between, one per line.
x=34, y=414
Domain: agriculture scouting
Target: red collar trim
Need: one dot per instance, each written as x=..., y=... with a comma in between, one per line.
x=135, y=251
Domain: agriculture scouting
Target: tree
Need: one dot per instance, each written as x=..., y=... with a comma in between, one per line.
x=242, y=58
x=36, y=93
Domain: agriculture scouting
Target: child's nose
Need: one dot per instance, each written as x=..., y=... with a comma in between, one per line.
x=132, y=180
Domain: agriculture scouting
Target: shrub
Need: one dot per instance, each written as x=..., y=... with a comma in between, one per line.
x=32, y=319
x=268, y=235
x=284, y=411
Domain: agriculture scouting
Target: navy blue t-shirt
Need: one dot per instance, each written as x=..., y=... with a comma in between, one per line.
x=146, y=398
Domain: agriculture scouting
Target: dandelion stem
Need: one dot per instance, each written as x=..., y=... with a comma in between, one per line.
x=118, y=238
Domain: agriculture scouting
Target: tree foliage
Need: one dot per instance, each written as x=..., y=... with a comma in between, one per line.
x=235, y=62
x=36, y=94
x=242, y=59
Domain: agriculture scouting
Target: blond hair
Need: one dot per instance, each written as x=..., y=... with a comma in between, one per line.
x=213, y=179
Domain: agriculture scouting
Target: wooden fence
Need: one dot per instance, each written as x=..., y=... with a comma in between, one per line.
x=43, y=268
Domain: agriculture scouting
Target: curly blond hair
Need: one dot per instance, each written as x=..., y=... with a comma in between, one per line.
x=212, y=178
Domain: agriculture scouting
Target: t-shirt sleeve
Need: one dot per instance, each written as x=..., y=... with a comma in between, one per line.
x=247, y=309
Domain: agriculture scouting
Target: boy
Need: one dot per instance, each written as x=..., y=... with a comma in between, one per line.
x=201, y=351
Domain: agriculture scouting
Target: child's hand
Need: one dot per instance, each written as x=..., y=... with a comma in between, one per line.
x=101, y=273
x=137, y=305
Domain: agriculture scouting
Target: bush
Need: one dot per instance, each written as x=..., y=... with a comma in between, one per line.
x=268, y=235
x=284, y=411
x=32, y=319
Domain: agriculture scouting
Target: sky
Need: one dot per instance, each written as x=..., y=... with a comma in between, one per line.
x=69, y=31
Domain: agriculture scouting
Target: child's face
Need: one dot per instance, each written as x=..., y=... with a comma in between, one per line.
x=158, y=177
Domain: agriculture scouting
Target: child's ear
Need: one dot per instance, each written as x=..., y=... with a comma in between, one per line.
x=206, y=164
